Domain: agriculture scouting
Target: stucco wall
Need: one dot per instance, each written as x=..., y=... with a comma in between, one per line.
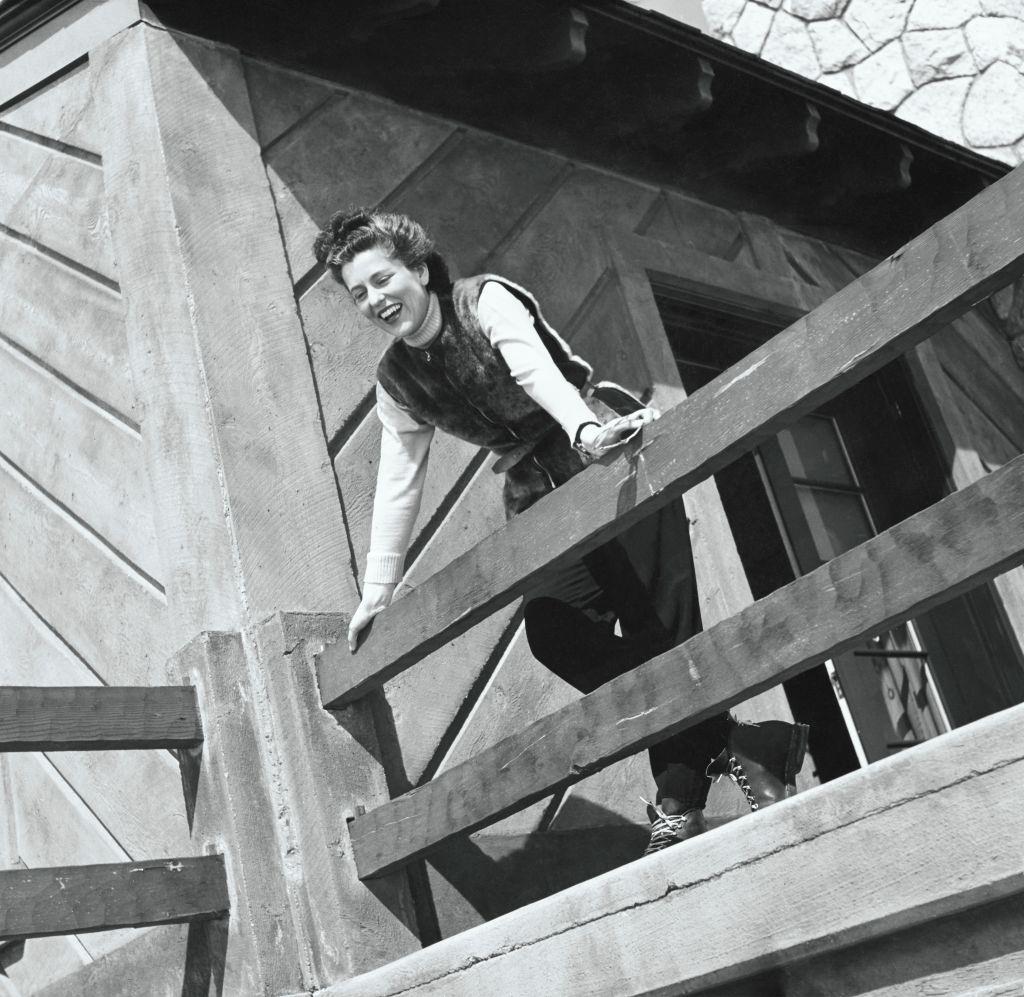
x=955, y=67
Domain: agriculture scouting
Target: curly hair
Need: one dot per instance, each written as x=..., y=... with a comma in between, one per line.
x=355, y=230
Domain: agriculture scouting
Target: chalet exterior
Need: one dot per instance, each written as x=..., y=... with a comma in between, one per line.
x=204, y=793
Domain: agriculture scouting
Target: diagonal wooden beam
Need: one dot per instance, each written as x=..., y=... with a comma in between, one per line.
x=968, y=537
x=86, y=718
x=74, y=899
x=932, y=280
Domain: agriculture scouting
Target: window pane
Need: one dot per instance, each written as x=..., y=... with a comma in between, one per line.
x=813, y=451
x=836, y=519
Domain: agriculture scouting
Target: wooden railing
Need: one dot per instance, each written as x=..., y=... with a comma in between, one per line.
x=968, y=537
x=83, y=898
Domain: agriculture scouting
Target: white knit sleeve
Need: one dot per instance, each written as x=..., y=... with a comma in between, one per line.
x=404, y=450
x=509, y=327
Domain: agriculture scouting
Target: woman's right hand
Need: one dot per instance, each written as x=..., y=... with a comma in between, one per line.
x=376, y=598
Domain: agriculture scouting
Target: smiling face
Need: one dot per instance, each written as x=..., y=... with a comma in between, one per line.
x=390, y=294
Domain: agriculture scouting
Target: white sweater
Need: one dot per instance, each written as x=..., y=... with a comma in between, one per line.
x=405, y=441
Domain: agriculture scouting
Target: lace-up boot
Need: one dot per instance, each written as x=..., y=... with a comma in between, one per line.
x=763, y=760
x=683, y=791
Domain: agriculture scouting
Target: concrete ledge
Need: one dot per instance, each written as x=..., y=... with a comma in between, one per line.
x=926, y=834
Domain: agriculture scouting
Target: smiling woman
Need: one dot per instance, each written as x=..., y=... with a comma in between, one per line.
x=477, y=359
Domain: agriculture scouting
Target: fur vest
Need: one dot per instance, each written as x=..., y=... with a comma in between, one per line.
x=461, y=383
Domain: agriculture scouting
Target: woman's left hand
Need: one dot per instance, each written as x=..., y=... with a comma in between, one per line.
x=599, y=439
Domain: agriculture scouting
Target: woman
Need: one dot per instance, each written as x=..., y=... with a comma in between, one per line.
x=477, y=359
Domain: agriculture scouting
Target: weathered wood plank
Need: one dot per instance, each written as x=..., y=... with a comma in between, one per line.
x=111, y=616
x=983, y=385
x=62, y=111
x=136, y=794
x=280, y=98
x=91, y=463
x=767, y=887
x=231, y=404
x=83, y=718
x=90, y=351
x=354, y=150
x=57, y=200
x=966, y=538
x=58, y=828
x=73, y=899
x=854, y=333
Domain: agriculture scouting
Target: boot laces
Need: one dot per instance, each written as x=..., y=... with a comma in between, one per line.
x=665, y=829
x=739, y=777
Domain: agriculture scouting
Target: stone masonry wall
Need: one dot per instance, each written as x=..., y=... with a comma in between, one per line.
x=954, y=67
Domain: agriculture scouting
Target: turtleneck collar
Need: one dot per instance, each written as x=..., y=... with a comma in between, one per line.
x=430, y=327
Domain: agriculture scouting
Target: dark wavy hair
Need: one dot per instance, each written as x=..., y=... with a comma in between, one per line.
x=357, y=229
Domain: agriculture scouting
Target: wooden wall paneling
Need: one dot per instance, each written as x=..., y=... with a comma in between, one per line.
x=424, y=709
x=56, y=200
x=985, y=389
x=558, y=254
x=90, y=463
x=960, y=448
x=61, y=111
x=475, y=194
x=136, y=794
x=344, y=350
x=990, y=344
x=216, y=345
x=115, y=619
x=42, y=962
x=947, y=549
x=280, y=98
x=813, y=261
x=990, y=443
x=57, y=828
x=72, y=324
x=354, y=150
x=766, y=245
x=356, y=468
x=8, y=828
x=62, y=40
x=702, y=227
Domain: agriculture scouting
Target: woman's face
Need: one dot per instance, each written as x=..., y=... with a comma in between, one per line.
x=390, y=294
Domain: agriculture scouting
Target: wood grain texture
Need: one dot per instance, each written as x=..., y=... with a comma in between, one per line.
x=91, y=351
x=813, y=261
x=966, y=538
x=62, y=111
x=58, y=827
x=83, y=718
x=354, y=150
x=136, y=794
x=89, y=462
x=62, y=40
x=56, y=200
x=280, y=98
x=73, y=899
x=234, y=426
x=990, y=344
x=768, y=884
x=848, y=337
x=695, y=225
x=961, y=452
x=987, y=389
x=558, y=254
x=111, y=617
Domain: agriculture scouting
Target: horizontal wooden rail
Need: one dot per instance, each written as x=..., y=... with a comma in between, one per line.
x=932, y=280
x=75, y=899
x=966, y=538
x=97, y=718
